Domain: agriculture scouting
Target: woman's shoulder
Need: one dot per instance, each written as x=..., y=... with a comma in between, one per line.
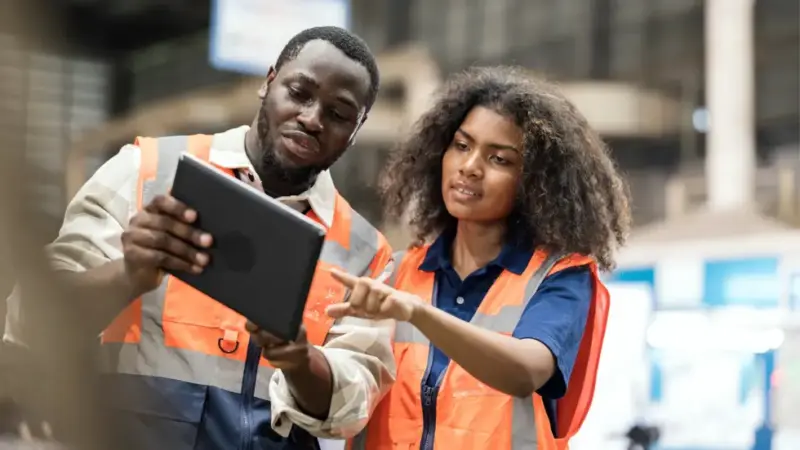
x=574, y=263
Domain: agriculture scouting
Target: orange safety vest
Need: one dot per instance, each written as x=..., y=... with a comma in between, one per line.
x=179, y=333
x=469, y=414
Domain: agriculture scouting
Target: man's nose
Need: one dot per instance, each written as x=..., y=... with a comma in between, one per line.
x=310, y=118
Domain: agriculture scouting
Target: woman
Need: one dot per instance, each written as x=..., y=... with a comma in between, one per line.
x=522, y=205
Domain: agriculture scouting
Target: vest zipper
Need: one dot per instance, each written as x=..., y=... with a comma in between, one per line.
x=430, y=394
x=429, y=400
x=248, y=392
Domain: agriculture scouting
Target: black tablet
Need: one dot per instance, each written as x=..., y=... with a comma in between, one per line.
x=264, y=253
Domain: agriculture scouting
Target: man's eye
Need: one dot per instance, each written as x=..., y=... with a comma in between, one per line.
x=297, y=93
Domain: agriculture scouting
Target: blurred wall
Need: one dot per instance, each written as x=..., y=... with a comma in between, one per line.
x=603, y=51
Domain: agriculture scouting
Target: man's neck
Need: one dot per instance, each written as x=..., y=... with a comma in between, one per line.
x=275, y=184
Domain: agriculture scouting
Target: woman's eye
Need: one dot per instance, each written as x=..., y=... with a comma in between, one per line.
x=498, y=159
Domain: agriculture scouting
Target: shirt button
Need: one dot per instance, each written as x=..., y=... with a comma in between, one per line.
x=460, y=300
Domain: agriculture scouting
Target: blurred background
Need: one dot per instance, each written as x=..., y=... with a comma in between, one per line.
x=698, y=100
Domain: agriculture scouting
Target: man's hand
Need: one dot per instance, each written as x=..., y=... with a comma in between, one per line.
x=371, y=299
x=287, y=356
x=304, y=367
x=161, y=237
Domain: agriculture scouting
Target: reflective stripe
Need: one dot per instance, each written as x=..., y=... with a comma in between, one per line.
x=539, y=276
x=398, y=262
x=150, y=356
x=523, y=424
x=363, y=247
x=263, y=378
x=169, y=152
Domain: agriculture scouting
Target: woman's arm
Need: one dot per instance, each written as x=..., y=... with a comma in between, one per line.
x=513, y=366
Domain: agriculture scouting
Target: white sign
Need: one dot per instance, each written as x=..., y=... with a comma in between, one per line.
x=679, y=282
x=248, y=35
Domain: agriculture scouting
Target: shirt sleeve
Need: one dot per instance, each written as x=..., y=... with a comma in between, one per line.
x=91, y=230
x=556, y=317
x=362, y=364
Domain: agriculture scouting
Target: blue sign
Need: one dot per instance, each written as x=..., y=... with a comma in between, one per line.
x=750, y=282
x=646, y=275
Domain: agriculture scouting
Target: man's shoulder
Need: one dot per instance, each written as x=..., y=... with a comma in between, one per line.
x=120, y=168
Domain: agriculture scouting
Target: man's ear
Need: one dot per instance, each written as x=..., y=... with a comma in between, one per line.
x=352, y=139
x=262, y=91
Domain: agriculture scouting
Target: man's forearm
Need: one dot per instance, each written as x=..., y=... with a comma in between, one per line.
x=101, y=293
x=312, y=386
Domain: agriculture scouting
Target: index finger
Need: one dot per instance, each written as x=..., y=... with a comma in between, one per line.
x=167, y=204
x=343, y=277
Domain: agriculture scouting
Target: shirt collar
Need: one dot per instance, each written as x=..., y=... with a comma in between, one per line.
x=227, y=150
x=513, y=258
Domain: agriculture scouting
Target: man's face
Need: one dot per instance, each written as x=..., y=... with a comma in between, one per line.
x=310, y=111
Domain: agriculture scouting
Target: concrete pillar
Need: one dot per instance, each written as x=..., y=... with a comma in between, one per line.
x=730, y=141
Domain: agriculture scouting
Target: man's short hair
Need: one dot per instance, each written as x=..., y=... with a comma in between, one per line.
x=351, y=45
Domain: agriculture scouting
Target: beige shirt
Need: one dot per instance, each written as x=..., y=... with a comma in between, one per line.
x=359, y=351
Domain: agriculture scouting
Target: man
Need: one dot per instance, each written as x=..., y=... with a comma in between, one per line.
x=185, y=371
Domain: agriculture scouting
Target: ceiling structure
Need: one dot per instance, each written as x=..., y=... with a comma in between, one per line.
x=125, y=25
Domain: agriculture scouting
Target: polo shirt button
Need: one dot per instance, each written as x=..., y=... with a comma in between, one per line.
x=460, y=300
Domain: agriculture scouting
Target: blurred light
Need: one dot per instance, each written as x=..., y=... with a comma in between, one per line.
x=777, y=376
x=700, y=120
x=698, y=333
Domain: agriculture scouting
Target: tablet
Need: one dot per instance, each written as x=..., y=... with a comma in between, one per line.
x=264, y=253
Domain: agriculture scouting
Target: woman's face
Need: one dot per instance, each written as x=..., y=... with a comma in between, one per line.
x=482, y=166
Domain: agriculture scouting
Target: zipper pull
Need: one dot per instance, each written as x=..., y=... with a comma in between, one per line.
x=427, y=396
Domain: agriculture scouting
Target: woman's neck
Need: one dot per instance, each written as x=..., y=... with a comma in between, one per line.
x=476, y=245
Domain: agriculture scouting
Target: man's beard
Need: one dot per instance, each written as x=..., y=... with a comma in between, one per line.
x=274, y=170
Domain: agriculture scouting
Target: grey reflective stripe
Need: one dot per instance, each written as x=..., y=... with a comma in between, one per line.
x=398, y=261
x=540, y=275
x=263, y=378
x=169, y=151
x=363, y=248
x=363, y=245
x=333, y=253
x=523, y=424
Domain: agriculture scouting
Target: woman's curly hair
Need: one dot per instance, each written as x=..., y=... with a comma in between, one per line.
x=571, y=198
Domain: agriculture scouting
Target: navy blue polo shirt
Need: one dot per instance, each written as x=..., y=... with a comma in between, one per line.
x=555, y=316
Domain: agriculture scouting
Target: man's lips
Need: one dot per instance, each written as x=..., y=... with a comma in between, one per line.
x=304, y=141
